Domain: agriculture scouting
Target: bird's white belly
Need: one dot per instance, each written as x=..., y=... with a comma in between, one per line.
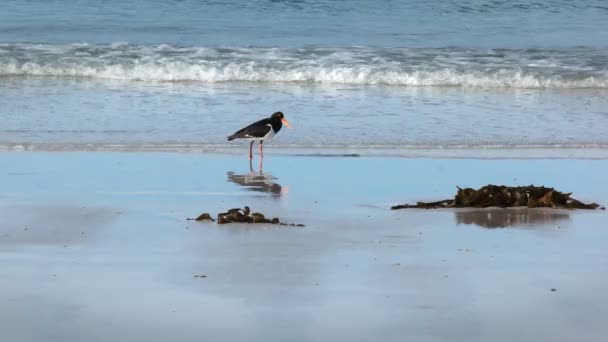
x=267, y=137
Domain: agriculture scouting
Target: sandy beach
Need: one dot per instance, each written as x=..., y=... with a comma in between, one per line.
x=115, y=127
x=95, y=246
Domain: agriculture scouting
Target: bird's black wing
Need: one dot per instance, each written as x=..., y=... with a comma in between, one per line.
x=257, y=129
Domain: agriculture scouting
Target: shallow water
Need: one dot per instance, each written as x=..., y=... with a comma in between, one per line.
x=79, y=115
x=356, y=76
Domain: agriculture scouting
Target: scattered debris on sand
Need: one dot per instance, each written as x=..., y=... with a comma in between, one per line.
x=504, y=197
x=238, y=215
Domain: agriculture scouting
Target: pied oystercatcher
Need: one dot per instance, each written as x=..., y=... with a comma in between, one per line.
x=261, y=130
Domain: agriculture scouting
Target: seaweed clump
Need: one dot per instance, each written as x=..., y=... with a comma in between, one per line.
x=244, y=215
x=203, y=217
x=504, y=197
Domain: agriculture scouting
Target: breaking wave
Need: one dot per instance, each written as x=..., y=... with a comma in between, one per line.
x=449, y=67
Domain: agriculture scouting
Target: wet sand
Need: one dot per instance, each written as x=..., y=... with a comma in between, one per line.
x=96, y=247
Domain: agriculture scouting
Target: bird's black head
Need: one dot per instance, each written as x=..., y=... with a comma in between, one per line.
x=277, y=120
x=277, y=115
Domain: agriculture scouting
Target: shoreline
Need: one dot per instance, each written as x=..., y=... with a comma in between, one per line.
x=590, y=152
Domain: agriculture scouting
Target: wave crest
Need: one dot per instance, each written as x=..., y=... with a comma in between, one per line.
x=498, y=68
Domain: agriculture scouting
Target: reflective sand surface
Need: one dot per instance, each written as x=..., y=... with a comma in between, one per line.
x=95, y=247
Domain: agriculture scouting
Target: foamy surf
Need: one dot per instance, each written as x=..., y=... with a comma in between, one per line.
x=442, y=67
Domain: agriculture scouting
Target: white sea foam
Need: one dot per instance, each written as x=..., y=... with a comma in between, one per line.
x=573, y=68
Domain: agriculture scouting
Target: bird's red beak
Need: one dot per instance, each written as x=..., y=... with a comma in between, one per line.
x=286, y=123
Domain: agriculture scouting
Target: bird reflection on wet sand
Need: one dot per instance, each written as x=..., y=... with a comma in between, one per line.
x=258, y=181
x=503, y=218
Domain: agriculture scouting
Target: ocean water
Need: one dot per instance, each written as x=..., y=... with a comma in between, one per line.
x=357, y=76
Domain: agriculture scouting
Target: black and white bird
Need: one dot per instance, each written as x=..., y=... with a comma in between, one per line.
x=260, y=131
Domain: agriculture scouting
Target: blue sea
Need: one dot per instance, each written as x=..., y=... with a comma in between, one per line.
x=356, y=76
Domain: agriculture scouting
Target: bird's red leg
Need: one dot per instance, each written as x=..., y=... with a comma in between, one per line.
x=261, y=155
x=261, y=150
x=250, y=150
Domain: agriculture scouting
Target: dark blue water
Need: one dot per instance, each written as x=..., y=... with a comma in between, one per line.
x=296, y=23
